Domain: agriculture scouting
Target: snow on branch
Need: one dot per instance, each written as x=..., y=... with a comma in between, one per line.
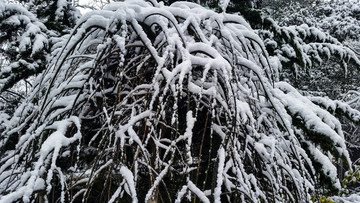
x=29, y=58
x=304, y=46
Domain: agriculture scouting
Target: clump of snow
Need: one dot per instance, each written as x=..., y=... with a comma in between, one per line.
x=224, y=4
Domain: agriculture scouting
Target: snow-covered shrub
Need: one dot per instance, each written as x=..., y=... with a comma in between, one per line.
x=149, y=102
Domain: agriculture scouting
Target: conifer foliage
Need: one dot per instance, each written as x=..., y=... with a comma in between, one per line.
x=166, y=103
x=27, y=36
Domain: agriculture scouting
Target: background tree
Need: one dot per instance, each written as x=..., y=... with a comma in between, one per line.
x=338, y=18
x=29, y=30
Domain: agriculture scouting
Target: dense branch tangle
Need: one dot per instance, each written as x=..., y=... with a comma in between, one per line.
x=157, y=103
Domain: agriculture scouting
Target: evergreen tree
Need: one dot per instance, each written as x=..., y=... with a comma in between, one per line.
x=28, y=33
x=338, y=18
